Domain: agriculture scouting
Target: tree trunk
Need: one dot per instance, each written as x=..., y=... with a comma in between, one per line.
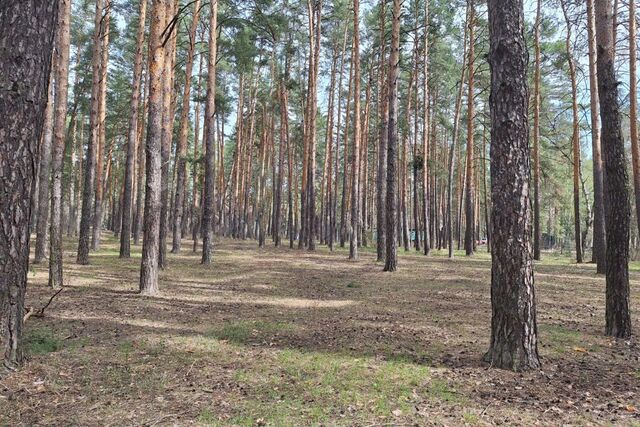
x=487, y=218
x=336, y=169
x=536, y=134
x=425, y=136
x=345, y=163
x=181, y=150
x=59, y=126
x=27, y=30
x=599, y=236
x=282, y=147
x=89, y=173
x=452, y=152
x=383, y=114
x=617, y=207
x=391, y=262
x=355, y=163
x=168, y=119
x=469, y=235
x=195, y=204
x=513, y=322
x=326, y=187
x=314, y=61
x=44, y=177
x=575, y=137
x=633, y=108
x=127, y=199
x=102, y=113
x=364, y=168
x=150, y=240
x=209, y=123
x=141, y=160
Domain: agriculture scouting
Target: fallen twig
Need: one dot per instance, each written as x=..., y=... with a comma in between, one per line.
x=485, y=410
x=40, y=312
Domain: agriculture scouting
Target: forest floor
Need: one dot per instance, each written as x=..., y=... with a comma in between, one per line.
x=287, y=337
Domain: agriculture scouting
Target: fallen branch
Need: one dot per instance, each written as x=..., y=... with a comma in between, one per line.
x=40, y=312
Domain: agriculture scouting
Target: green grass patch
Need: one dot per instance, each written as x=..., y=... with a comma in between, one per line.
x=315, y=388
x=41, y=341
x=125, y=348
x=440, y=390
x=470, y=418
x=560, y=339
x=243, y=331
x=207, y=417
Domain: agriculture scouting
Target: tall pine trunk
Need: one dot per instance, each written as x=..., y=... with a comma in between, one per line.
x=633, y=108
x=181, y=149
x=536, y=134
x=355, y=150
x=150, y=240
x=209, y=123
x=89, y=173
x=425, y=136
x=383, y=114
x=575, y=137
x=469, y=235
x=169, y=41
x=452, y=152
x=391, y=262
x=513, y=322
x=44, y=177
x=127, y=199
x=599, y=236
x=617, y=207
x=102, y=114
x=59, y=126
x=26, y=33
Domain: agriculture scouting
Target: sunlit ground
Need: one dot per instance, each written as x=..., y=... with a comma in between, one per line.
x=288, y=337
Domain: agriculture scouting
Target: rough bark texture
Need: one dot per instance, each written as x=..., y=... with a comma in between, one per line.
x=617, y=207
x=150, y=240
x=513, y=322
x=127, y=199
x=59, y=126
x=26, y=44
x=209, y=122
x=391, y=262
x=89, y=172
